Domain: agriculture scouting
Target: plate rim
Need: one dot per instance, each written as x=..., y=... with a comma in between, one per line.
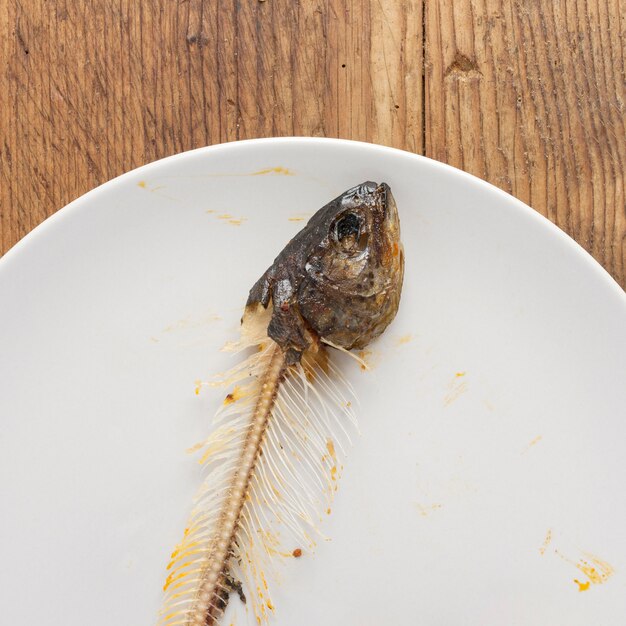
x=514, y=204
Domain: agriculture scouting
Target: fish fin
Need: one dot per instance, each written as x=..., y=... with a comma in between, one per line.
x=218, y=456
x=296, y=476
x=290, y=490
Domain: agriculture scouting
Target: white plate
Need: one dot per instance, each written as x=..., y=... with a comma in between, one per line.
x=469, y=499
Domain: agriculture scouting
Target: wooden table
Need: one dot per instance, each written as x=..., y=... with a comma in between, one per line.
x=527, y=94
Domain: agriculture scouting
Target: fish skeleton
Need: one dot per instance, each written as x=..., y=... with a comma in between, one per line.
x=336, y=285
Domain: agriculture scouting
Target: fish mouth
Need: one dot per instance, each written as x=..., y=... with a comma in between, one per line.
x=386, y=204
x=381, y=195
x=378, y=197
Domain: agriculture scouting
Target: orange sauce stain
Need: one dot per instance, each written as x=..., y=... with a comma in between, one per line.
x=196, y=447
x=593, y=567
x=214, y=447
x=299, y=217
x=396, y=248
x=173, y=577
x=327, y=511
x=274, y=170
x=404, y=339
x=330, y=446
x=179, y=586
x=142, y=184
x=273, y=551
x=456, y=391
x=546, y=542
x=230, y=219
x=534, y=442
x=270, y=606
x=363, y=355
x=425, y=511
x=333, y=472
x=209, y=211
x=456, y=388
x=598, y=571
x=181, y=549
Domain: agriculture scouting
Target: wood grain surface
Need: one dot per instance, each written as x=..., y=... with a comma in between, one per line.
x=527, y=94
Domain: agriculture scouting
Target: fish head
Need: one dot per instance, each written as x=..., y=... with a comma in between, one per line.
x=361, y=254
x=354, y=276
x=339, y=279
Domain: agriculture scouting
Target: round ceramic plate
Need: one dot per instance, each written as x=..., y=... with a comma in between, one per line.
x=487, y=486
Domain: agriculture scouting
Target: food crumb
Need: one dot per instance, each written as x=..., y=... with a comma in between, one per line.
x=233, y=396
x=142, y=184
x=297, y=553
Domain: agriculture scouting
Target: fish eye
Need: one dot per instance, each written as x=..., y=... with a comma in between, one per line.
x=348, y=227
